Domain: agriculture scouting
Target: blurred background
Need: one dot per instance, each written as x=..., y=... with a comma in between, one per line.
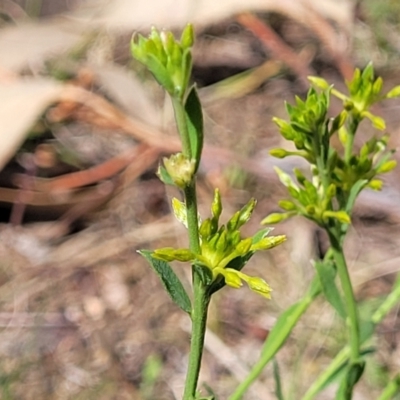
x=82, y=127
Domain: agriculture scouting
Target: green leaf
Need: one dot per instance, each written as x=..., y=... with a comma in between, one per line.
x=285, y=324
x=160, y=73
x=261, y=234
x=170, y=281
x=335, y=370
x=277, y=379
x=164, y=176
x=391, y=389
x=180, y=212
x=352, y=375
x=327, y=274
x=329, y=375
x=354, y=192
x=194, y=119
x=391, y=301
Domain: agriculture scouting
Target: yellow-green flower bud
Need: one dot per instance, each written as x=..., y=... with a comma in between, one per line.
x=222, y=242
x=259, y=286
x=274, y=218
x=319, y=82
x=341, y=216
x=395, y=92
x=205, y=229
x=233, y=222
x=243, y=246
x=180, y=213
x=234, y=238
x=287, y=205
x=187, y=37
x=246, y=212
x=216, y=206
x=331, y=191
x=377, y=86
x=387, y=166
x=310, y=209
x=268, y=243
x=278, y=153
x=377, y=122
x=376, y=184
x=180, y=169
x=232, y=279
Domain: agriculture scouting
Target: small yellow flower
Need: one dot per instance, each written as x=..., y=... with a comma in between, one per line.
x=223, y=251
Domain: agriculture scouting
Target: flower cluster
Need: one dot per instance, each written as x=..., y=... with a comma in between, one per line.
x=169, y=60
x=336, y=177
x=223, y=251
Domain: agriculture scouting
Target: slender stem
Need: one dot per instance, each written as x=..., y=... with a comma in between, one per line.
x=351, y=305
x=181, y=123
x=201, y=298
x=199, y=320
x=350, y=139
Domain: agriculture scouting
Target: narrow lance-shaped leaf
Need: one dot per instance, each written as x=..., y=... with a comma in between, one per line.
x=170, y=281
x=329, y=375
x=327, y=273
x=351, y=377
x=286, y=322
x=278, y=381
x=334, y=371
x=194, y=119
x=391, y=389
x=391, y=300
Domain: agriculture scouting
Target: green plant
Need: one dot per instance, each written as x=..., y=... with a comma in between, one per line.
x=217, y=252
x=327, y=196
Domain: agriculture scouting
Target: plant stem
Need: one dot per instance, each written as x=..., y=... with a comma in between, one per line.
x=201, y=298
x=350, y=139
x=199, y=320
x=181, y=123
x=351, y=305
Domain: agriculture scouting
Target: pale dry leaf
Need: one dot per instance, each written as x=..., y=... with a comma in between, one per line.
x=136, y=14
x=125, y=90
x=21, y=103
x=31, y=43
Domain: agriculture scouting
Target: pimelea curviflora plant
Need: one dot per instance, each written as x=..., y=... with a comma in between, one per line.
x=217, y=252
x=326, y=195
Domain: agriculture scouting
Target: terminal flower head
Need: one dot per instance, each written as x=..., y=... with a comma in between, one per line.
x=168, y=59
x=223, y=250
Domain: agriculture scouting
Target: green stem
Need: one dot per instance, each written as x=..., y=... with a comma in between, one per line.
x=348, y=152
x=199, y=320
x=351, y=305
x=180, y=118
x=201, y=298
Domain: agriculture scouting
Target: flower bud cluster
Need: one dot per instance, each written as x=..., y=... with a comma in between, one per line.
x=169, y=60
x=336, y=177
x=222, y=247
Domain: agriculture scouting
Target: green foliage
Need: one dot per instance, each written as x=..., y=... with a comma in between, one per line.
x=325, y=194
x=171, y=282
x=337, y=177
